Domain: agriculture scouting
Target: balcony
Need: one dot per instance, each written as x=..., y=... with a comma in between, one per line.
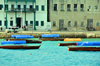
x=20, y=9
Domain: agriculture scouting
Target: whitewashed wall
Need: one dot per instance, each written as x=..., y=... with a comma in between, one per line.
x=40, y=15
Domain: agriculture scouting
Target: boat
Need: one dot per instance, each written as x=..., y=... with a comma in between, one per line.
x=19, y=47
x=51, y=39
x=27, y=40
x=72, y=39
x=90, y=43
x=50, y=35
x=84, y=48
x=67, y=44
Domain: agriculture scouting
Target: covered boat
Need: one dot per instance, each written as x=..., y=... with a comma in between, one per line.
x=13, y=36
x=51, y=37
x=29, y=40
x=20, y=47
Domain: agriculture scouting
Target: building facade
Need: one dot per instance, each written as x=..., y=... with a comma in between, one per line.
x=75, y=15
x=22, y=13
x=41, y=15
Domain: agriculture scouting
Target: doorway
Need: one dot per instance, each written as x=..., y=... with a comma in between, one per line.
x=61, y=24
x=19, y=22
x=90, y=23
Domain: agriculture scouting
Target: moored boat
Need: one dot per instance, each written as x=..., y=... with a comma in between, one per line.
x=67, y=44
x=72, y=39
x=27, y=40
x=84, y=48
x=20, y=47
x=51, y=39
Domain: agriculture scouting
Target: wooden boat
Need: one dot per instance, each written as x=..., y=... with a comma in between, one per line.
x=83, y=48
x=51, y=39
x=72, y=39
x=27, y=40
x=67, y=44
x=20, y=47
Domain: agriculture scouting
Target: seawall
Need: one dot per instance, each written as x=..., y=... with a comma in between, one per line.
x=61, y=34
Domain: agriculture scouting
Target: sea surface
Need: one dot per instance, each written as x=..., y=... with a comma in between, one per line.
x=50, y=54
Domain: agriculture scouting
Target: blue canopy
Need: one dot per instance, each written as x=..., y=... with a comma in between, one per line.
x=13, y=42
x=50, y=35
x=12, y=36
x=88, y=43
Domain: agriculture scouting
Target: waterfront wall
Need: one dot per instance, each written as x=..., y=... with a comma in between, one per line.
x=61, y=34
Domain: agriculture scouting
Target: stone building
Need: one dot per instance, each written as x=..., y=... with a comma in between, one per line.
x=75, y=15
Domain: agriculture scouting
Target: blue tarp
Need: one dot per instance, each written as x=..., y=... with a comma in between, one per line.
x=50, y=35
x=21, y=37
x=88, y=43
x=13, y=42
x=12, y=36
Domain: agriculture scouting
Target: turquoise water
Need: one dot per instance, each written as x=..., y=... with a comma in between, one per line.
x=49, y=54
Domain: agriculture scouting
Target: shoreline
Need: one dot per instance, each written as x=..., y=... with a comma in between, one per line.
x=62, y=34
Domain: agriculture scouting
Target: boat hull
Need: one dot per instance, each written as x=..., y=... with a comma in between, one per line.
x=20, y=47
x=51, y=39
x=66, y=44
x=83, y=48
x=27, y=41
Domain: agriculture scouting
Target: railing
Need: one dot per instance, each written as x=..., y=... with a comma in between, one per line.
x=21, y=9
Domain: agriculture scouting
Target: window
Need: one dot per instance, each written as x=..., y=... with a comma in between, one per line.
x=31, y=6
x=89, y=8
x=37, y=23
x=24, y=7
x=69, y=23
x=82, y=7
x=97, y=24
x=11, y=23
x=75, y=23
x=43, y=8
x=5, y=23
x=18, y=7
x=55, y=7
x=0, y=23
x=54, y=23
x=82, y=23
x=1, y=6
x=75, y=7
x=68, y=7
x=26, y=23
x=12, y=7
x=37, y=7
x=6, y=7
x=42, y=23
x=31, y=22
x=95, y=8
x=62, y=7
